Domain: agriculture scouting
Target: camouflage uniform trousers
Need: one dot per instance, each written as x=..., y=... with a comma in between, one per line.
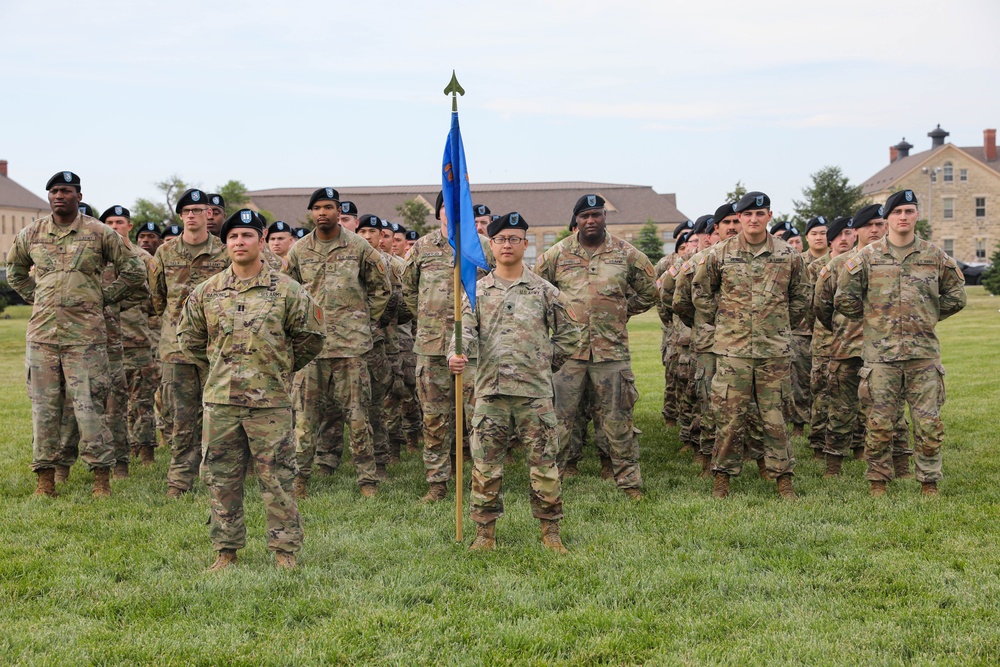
x=436, y=390
x=141, y=379
x=233, y=436
x=847, y=412
x=884, y=388
x=801, y=403
x=613, y=387
x=668, y=357
x=68, y=383
x=496, y=420
x=115, y=416
x=703, y=374
x=738, y=383
x=333, y=390
x=413, y=419
x=394, y=406
x=181, y=389
x=686, y=398
x=578, y=437
x=819, y=387
x=380, y=377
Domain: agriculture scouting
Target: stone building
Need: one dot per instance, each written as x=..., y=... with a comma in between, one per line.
x=958, y=188
x=18, y=207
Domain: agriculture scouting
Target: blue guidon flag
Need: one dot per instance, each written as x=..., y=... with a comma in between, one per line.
x=458, y=208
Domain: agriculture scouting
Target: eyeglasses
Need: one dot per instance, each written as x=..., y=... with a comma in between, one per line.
x=503, y=240
x=193, y=210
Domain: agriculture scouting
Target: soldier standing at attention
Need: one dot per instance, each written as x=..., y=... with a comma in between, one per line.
x=523, y=334
x=668, y=348
x=347, y=278
x=348, y=216
x=604, y=281
x=66, y=356
x=754, y=289
x=801, y=339
x=177, y=268
x=280, y=240
x=248, y=329
x=900, y=287
x=216, y=214
x=483, y=217
x=412, y=419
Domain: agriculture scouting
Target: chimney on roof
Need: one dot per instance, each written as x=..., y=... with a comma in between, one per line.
x=937, y=136
x=893, y=154
x=3, y=167
x=904, y=148
x=989, y=146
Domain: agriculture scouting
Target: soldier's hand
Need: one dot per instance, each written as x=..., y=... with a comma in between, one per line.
x=456, y=363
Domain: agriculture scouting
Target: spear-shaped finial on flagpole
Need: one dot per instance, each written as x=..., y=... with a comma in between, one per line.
x=454, y=88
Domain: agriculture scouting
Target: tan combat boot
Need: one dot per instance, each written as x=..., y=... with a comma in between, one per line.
x=633, y=494
x=834, y=466
x=486, y=537
x=929, y=489
x=551, y=538
x=299, y=490
x=688, y=447
x=798, y=431
x=121, y=470
x=224, y=559
x=571, y=470
x=174, y=493
x=818, y=455
x=147, y=455
x=380, y=472
x=102, y=482
x=859, y=453
x=412, y=442
x=669, y=423
x=324, y=471
x=437, y=492
x=133, y=451
x=761, y=468
x=62, y=474
x=720, y=489
x=284, y=560
x=785, y=489
x=607, y=471
x=369, y=490
x=878, y=489
x=901, y=467
x=699, y=460
x=46, y=483
x=706, y=468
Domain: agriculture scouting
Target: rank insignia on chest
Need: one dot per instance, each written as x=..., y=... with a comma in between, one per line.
x=509, y=307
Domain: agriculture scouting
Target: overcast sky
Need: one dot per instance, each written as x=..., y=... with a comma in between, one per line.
x=688, y=99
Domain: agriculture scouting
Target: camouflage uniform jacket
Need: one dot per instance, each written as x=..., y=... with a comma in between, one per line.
x=173, y=273
x=900, y=302
x=65, y=291
x=396, y=313
x=523, y=332
x=348, y=279
x=603, y=290
x=666, y=325
x=753, y=300
x=702, y=330
x=250, y=336
x=135, y=320
x=428, y=291
x=822, y=338
x=805, y=327
x=848, y=335
x=670, y=281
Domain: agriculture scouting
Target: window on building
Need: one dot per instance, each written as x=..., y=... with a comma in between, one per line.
x=665, y=234
x=949, y=208
x=548, y=240
x=980, y=207
x=963, y=175
x=949, y=247
x=980, y=248
x=948, y=172
x=628, y=236
x=532, y=250
x=669, y=247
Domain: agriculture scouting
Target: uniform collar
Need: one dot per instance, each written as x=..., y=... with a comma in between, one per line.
x=490, y=280
x=314, y=243
x=262, y=279
x=55, y=229
x=744, y=246
x=576, y=247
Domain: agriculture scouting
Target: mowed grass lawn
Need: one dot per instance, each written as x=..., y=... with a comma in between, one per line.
x=836, y=578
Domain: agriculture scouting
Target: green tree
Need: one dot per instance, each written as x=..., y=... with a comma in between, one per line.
x=737, y=194
x=649, y=243
x=831, y=195
x=562, y=234
x=414, y=214
x=923, y=229
x=4, y=290
x=991, y=276
x=235, y=195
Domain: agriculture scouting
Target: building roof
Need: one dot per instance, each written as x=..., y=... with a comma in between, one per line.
x=894, y=171
x=541, y=204
x=13, y=195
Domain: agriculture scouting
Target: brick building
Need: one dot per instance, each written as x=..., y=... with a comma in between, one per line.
x=18, y=207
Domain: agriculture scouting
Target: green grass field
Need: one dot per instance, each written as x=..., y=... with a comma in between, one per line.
x=836, y=578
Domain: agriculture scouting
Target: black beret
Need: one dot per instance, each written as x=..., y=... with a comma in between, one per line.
x=682, y=239
x=701, y=224
x=837, y=226
x=87, y=209
x=865, y=216
x=172, y=230
x=217, y=200
x=481, y=209
x=300, y=232
x=324, y=194
x=572, y=222
x=818, y=221
x=348, y=208
x=752, y=201
x=385, y=224
x=588, y=202
x=118, y=211
x=790, y=233
x=280, y=226
x=150, y=228
x=397, y=228
x=369, y=220
x=724, y=211
x=191, y=196
x=710, y=226
x=63, y=178
x=509, y=221
x=898, y=199
x=779, y=227
x=412, y=235
x=438, y=203
x=685, y=226
x=242, y=218
x=497, y=217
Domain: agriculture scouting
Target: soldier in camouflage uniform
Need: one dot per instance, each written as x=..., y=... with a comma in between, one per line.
x=801, y=340
x=668, y=351
x=394, y=407
x=66, y=357
x=754, y=289
x=178, y=267
x=523, y=335
x=428, y=292
x=346, y=276
x=249, y=329
x=900, y=287
x=604, y=281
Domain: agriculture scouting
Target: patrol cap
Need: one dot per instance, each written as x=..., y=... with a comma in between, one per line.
x=701, y=224
x=587, y=203
x=481, y=209
x=412, y=235
x=438, y=203
x=790, y=233
x=217, y=200
x=172, y=230
x=836, y=227
x=191, y=197
x=724, y=211
x=150, y=228
x=865, y=215
x=753, y=201
x=87, y=209
x=63, y=178
x=300, y=232
x=685, y=226
x=369, y=220
x=397, y=228
x=323, y=194
x=117, y=211
x=243, y=218
x=897, y=199
x=509, y=221
x=818, y=221
x=348, y=208
x=280, y=226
